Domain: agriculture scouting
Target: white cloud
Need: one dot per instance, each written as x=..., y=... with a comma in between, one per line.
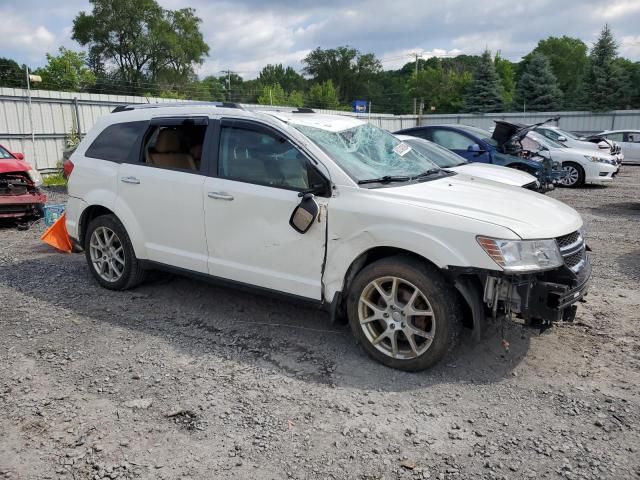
x=21, y=36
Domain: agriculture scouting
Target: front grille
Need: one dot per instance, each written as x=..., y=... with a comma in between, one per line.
x=572, y=249
x=567, y=240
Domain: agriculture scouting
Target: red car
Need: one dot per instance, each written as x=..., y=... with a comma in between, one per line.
x=20, y=196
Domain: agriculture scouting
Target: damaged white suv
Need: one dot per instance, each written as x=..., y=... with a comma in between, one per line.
x=324, y=208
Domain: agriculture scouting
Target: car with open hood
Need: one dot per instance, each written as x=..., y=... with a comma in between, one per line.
x=20, y=195
x=326, y=209
x=581, y=166
x=445, y=158
x=628, y=141
x=571, y=140
x=479, y=145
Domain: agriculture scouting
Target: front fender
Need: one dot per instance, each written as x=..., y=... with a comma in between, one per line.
x=342, y=252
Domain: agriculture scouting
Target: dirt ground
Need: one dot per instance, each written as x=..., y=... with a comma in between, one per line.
x=179, y=379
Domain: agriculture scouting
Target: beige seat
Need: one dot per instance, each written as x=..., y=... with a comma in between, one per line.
x=167, y=152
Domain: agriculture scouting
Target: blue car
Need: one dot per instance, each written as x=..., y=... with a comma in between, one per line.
x=478, y=145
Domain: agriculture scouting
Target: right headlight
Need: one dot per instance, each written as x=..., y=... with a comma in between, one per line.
x=521, y=256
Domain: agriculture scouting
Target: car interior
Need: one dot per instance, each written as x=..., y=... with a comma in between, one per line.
x=175, y=147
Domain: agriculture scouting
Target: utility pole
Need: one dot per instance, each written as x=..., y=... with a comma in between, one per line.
x=415, y=100
x=33, y=134
x=228, y=72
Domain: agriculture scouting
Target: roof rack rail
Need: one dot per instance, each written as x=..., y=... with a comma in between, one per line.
x=140, y=106
x=304, y=110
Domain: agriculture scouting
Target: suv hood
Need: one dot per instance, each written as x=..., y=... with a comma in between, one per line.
x=13, y=165
x=510, y=176
x=528, y=214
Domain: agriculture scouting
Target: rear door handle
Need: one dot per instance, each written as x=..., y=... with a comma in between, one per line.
x=220, y=196
x=132, y=180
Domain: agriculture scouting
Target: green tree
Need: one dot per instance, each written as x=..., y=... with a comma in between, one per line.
x=143, y=40
x=295, y=99
x=439, y=88
x=11, y=74
x=323, y=95
x=66, y=71
x=506, y=72
x=273, y=95
x=568, y=57
x=604, y=82
x=347, y=68
x=538, y=87
x=483, y=95
x=287, y=78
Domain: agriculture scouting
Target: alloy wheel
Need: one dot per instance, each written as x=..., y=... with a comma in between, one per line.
x=107, y=254
x=396, y=317
x=572, y=176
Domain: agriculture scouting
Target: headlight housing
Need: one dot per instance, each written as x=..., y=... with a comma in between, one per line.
x=598, y=159
x=35, y=177
x=521, y=256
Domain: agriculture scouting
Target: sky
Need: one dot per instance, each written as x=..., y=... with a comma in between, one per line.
x=245, y=35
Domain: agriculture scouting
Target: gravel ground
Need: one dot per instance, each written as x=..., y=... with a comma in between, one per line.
x=179, y=379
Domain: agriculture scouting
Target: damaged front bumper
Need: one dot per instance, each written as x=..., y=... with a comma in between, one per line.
x=538, y=299
x=19, y=197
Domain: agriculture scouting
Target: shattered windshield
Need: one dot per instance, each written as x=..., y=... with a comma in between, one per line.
x=367, y=152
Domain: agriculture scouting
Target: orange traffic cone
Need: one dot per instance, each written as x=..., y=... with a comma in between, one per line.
x=56, y=235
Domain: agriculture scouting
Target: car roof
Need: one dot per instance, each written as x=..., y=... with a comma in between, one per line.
x=625, y=130
x=331, y=123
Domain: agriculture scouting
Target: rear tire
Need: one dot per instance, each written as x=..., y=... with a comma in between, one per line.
x=110, y=254
x=574, y=177
x=404, y=313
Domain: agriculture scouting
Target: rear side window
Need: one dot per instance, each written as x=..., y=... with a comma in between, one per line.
x=116, y=141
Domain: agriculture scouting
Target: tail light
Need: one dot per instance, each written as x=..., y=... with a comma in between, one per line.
x=67, y=168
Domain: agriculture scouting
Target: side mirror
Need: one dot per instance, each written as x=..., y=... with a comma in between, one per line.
x=562, y=138
x=304, y=214
x=18, y=155
x=474, y=148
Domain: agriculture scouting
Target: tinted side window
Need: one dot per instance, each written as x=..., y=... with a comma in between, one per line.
x=451, y=140
x=426, y=134
x=116, y=141
x=261, y=157
x=174, y=146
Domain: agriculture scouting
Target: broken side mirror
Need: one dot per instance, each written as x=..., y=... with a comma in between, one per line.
x=304, y=214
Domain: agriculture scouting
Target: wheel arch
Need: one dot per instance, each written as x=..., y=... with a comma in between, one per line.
x=373, y=254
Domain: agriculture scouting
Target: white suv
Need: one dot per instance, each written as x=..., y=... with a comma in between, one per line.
x=324, y=208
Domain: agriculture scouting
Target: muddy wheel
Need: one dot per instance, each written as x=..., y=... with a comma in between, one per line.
x=404, y=313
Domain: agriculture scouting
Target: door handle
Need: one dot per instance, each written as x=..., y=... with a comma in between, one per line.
x=132, y=180
x=220, y=196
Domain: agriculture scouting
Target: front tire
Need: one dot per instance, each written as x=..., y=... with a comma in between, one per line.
x=110, y=254
x=574, y=177
x=404, y=313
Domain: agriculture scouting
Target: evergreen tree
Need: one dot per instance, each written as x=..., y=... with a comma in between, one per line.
x=505, y=70
x=273, y=95
x=604, y=82
x=484, y=93
x=323, y=95
x=538, y=88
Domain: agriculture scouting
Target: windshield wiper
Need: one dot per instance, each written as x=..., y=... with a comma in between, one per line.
x=428, y=173
x=385, y=179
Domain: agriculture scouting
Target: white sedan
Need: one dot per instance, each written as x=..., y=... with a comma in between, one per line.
x=445, y=158
x=582, y=165
x=629, y=140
